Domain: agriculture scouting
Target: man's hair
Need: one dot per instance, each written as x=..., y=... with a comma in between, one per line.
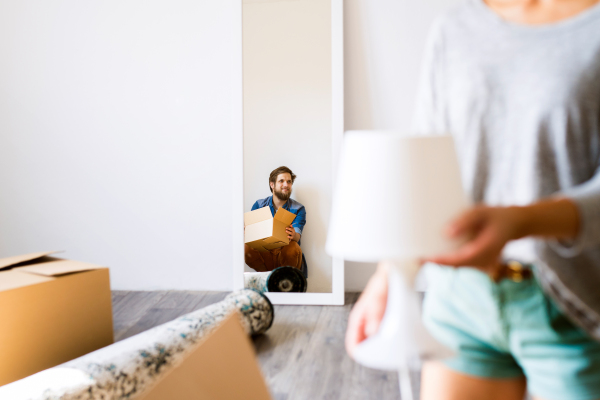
x=281, y=170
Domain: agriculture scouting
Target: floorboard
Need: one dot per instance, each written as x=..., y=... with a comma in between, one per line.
x=130, y=309
x=302, y=356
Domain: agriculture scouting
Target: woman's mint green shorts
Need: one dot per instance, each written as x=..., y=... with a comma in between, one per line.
x=510, y=329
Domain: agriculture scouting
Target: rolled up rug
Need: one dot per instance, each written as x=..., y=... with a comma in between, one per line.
x=123, y=370
x=282, y=279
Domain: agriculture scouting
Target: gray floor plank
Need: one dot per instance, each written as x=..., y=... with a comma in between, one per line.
x=129, y=309
x=210, y=298
x=170, y=306
x=118, y=296
x=320, y=367
x=302, y=356
x=324, y=357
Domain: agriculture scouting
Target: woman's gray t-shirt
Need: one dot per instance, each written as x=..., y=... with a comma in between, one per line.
x=523, y=104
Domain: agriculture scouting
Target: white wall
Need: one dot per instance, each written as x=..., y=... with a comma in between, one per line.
x=115, y=130
x=115, y=136
x=287, y=113
x=384, y=43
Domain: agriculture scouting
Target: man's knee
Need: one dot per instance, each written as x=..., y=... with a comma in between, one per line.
x=254, y=259
x=291, y=249
x=249, y=252
x=291, y=255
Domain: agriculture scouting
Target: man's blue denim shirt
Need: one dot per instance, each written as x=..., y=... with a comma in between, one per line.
x=291, y=205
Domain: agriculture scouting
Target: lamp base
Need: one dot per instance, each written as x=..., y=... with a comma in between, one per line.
x=402, y=342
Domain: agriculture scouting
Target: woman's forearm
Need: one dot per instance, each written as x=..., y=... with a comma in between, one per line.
x=556, y=218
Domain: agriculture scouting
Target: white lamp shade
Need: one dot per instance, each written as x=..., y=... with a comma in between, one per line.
x=393, y=197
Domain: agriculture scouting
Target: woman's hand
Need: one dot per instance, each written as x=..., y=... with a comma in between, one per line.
x=368, y=311
x=487, y=230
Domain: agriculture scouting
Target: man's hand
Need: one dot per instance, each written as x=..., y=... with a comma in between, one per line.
x=368, y=311
x=292, y=234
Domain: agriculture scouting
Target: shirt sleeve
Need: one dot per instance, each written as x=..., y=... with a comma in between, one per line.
x=255, y=206
x=586, y=197
x=300, y=220
x=429, y=117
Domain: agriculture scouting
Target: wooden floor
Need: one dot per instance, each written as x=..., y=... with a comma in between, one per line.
x=302, y=356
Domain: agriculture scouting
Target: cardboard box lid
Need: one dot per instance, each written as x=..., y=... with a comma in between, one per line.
x=14, y=279
x=57, y=267
x=222, y=366
x=8, y=261
x=43, y=269
x=285, y=216
x=262, y=214
x=258, y=231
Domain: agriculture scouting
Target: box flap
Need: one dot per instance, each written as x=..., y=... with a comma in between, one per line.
x=285, y=216
x=259, y=215
x=222, y=366
x=258, y=231
x=14, y=279
x=8, y=261
x=257, y=245
x=274, y=245
x=279, y=231
x=58, y=267
x=267, y=244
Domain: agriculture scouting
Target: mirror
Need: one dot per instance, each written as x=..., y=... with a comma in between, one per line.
x=293, y=118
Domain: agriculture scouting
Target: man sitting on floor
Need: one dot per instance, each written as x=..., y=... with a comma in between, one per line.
x=280, y=184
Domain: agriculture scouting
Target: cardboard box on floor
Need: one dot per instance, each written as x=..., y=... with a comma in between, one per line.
x=263, y=232
x=222, y=366
x=52, y=310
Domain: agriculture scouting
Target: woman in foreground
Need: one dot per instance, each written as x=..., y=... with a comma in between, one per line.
x=517, y=83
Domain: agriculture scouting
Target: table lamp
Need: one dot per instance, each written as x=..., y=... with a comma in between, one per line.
x=393, y=198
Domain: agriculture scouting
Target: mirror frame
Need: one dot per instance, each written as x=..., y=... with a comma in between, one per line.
x=336, y=297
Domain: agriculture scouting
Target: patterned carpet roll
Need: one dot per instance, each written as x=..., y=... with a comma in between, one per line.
x=282, y=279
x=121, y=371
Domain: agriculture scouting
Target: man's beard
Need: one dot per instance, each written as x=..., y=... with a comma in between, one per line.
x=283, y=196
